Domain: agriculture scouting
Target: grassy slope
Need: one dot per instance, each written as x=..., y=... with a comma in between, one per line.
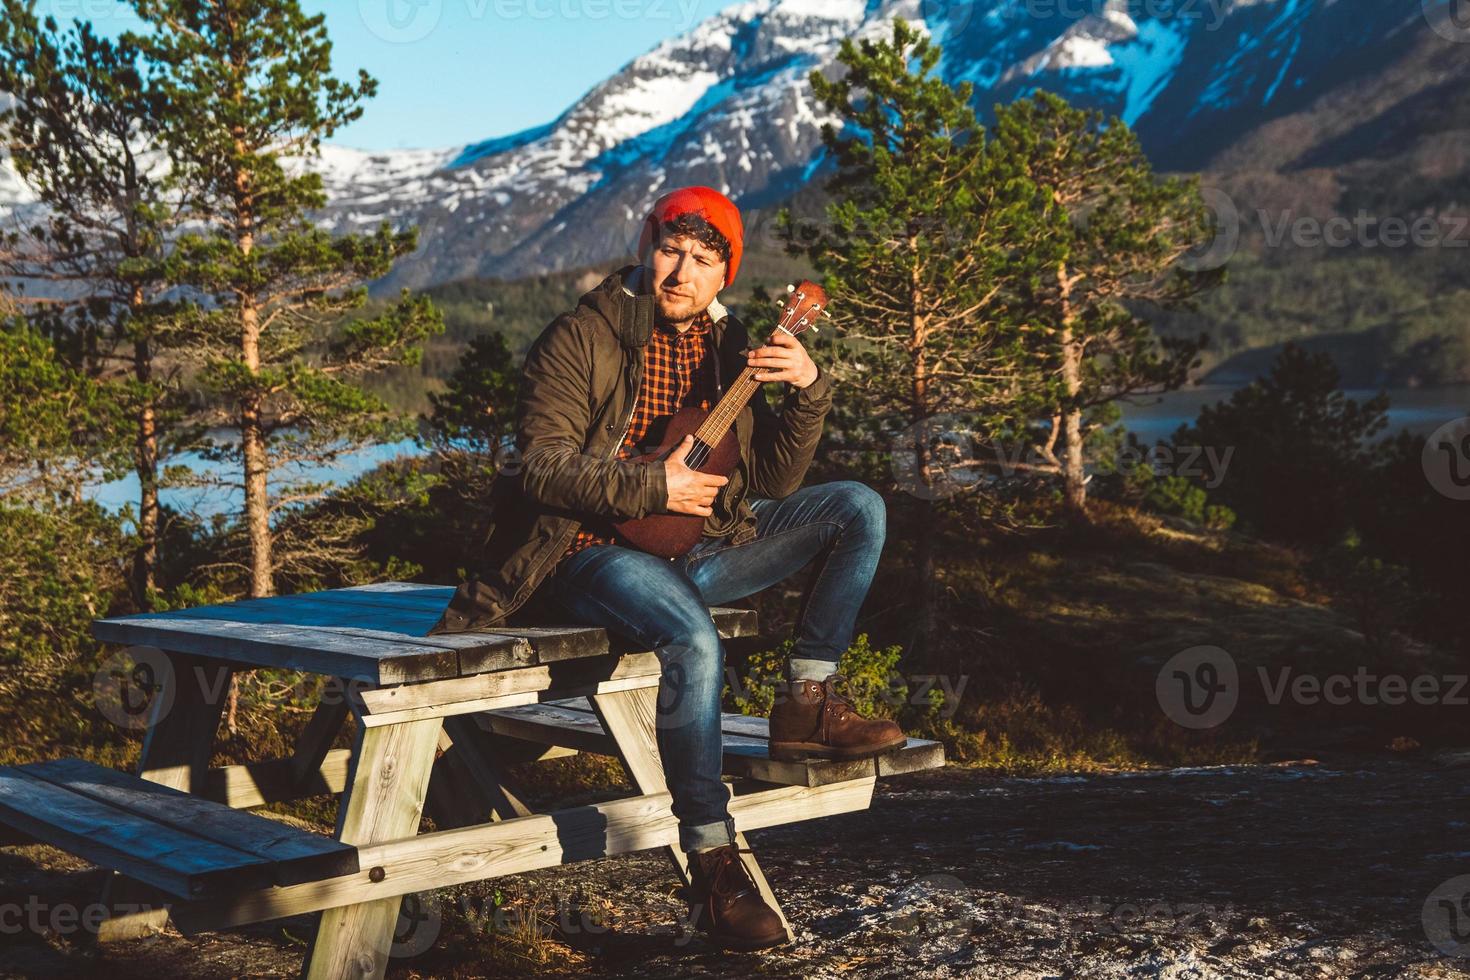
x=1061, y=634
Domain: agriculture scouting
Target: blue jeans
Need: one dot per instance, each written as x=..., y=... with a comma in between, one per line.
x=663, y=605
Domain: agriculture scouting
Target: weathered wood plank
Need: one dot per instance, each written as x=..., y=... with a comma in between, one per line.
x=548, y=723
x=478, y=652
x=454, y=708
x=255, y=784
x=733, y=622
x=316, y=739
x=368, y=633
x=293, y=648
x=403, y=626
x=406, y=616
x=384, y=801
x=913, y=755
x=479, y=687
x=469, y=785
x=297, y=855
x=176, y=752
x=423, y=599
x=572, y=722
x=185, y=718
x=453, y=857
x=179, y=863
x=438, y=591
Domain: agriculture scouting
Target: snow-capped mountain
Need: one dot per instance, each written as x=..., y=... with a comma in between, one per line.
x=727, y=104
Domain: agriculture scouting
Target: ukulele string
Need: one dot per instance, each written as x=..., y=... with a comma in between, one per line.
x=735, y=399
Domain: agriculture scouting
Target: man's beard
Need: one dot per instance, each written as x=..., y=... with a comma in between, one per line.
x=674, y=310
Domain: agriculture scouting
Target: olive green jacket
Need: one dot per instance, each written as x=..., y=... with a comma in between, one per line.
x=578, y=389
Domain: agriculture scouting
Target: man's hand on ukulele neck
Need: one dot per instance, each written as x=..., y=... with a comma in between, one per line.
x=783, y=358
x=690, y=491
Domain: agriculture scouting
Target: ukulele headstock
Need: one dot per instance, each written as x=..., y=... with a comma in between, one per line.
x=804, y=303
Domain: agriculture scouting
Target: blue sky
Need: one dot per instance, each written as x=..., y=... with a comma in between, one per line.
x=457, y=71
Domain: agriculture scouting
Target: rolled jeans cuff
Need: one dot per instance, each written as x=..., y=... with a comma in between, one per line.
x=707, y=834
x=807, y=669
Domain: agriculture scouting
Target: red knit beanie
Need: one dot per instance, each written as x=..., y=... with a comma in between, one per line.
x=709, y=204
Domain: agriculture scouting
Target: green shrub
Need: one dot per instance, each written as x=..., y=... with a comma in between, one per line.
x=877, y=687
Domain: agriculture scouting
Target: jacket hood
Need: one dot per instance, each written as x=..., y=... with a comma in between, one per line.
x=625, y=302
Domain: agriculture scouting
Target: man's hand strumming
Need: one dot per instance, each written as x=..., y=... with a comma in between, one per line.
x=690, y=491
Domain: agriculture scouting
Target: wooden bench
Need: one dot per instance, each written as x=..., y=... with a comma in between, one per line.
x=181, y=844
x=573, y=723
x=434, y=721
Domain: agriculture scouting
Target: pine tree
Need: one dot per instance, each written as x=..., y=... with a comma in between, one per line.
x=247, y=98
x=1110, y=250
x=914, y=255
x=82, y=133
x=57, y=425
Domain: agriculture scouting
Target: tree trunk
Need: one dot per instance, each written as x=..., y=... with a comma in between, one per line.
x=252, y=446
x=145, y=458
x=252, y=431
x=254, y=458
x=1074, y=487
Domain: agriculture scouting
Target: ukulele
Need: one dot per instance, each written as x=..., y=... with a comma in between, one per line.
x=716, y=449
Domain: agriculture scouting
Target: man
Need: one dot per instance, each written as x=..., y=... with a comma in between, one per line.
x=651, y=338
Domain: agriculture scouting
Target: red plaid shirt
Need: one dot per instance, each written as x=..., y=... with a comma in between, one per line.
x=676, y=373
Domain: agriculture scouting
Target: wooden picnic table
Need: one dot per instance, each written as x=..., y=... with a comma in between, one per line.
x=435, y=719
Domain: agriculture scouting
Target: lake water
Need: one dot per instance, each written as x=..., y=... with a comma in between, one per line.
x=1419, y=410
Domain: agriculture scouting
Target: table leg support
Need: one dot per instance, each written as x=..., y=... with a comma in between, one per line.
x=176, y=753
x=384, y=801
x=470, y=785
x=630, y=718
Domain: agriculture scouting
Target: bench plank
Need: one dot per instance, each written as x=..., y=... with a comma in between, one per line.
x=176, y=862
x=293, y=648
x=373, y=634
x=572, y=722
x=453, y=857
x=297, y=855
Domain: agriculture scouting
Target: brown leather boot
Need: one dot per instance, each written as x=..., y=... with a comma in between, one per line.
x=726, y=905
x=815, y=719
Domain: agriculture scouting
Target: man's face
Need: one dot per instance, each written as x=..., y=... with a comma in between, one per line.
x=686, y=277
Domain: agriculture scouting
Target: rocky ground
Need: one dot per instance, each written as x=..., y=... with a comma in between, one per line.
x=1333, y=868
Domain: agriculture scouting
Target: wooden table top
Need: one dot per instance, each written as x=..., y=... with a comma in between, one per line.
x=371, y=633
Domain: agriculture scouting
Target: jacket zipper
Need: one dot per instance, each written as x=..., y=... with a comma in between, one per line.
x=632, y=407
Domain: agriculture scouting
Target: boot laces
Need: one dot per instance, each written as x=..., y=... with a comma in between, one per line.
x=843, y=702
x=729, y=876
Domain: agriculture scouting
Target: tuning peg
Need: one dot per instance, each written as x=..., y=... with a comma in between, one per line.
x=790, y=287
x=826, y=314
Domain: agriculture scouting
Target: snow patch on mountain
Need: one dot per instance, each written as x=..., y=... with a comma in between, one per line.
x=728, y=104
x=1147, y=64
